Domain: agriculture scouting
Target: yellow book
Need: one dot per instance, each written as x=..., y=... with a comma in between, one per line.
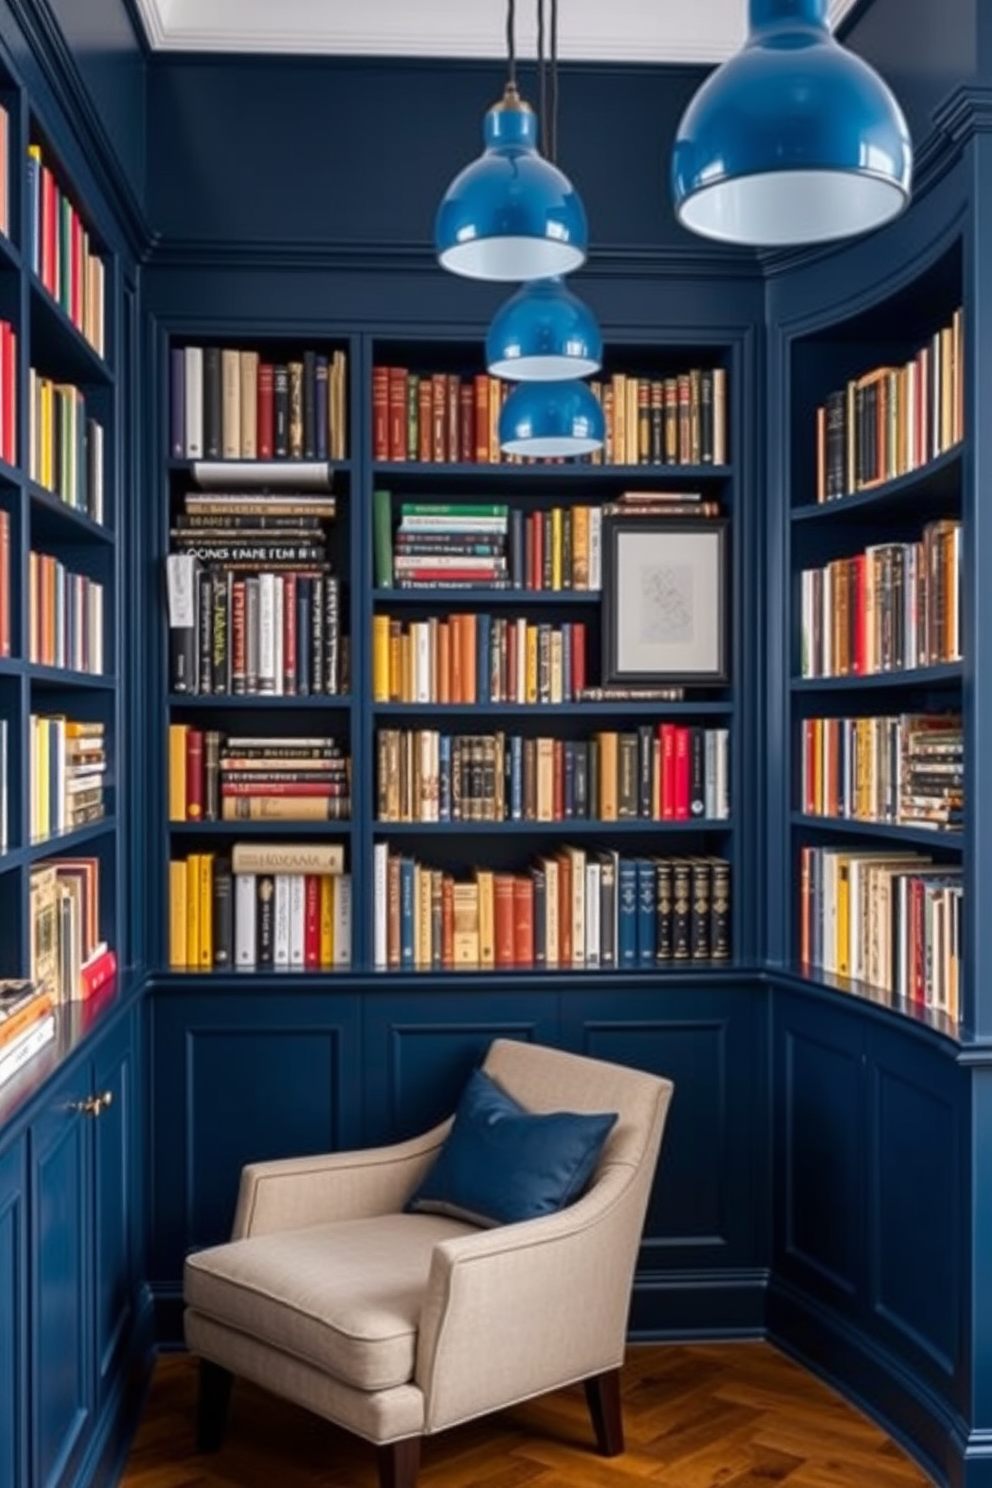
x=608, y=776
x=41, y=780
x=177, y=771
x=530, y=668
x=326, y=922
x=842, y=932
x=380, y=658
x=487, y=916
x=422, y=945
x=556, y=547
x=580, y=547
x=177, y=914
x=193, y=910
x=206, y=927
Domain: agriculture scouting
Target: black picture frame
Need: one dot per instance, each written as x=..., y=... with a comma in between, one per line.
x=665, y=587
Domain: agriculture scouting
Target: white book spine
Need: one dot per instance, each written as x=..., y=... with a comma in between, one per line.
x=280, y=921
x=594, y=874
x=342, y=921
x=380, y=861
x=722, y=774
x=278, y=632
x=710, y=802
x=595, y=548
x=194, y=402
x=267, y=633
x=245, y=901
x=26, y=1046
x=297, y=918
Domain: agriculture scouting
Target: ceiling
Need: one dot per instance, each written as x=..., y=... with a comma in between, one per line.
x=589, y=30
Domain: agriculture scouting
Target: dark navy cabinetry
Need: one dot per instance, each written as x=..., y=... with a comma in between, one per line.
x=70, y=1268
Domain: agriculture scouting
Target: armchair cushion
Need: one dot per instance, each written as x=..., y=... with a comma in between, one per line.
x=501, y=1163
x=343, y=1297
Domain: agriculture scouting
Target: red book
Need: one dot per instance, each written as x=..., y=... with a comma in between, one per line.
x=265, y=413
x=466, y=429
x=682, y=740
x=311, y=922
x=239, y=639
x=523, y=921
x=425, y=415
x=8, y=377
x=97, y=973
x=578, y=656
x=667, y=732
x=194, y=774
x=503, y=913
x=535, y=579
x=49, y=237
x=481, y=412
x=396, y=414
x=289, y=667
x=564, y=910
x=857, y=598
x=447, y=922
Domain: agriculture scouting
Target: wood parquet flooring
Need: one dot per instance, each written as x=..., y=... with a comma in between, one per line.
x=732, y=1415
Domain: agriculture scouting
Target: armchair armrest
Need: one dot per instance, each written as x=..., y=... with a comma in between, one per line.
x=293, y=1193
x=549, y=1299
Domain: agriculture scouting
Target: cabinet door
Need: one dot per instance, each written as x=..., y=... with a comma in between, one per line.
x=61, y=1232
x=13, y=1315
x=113, y=1199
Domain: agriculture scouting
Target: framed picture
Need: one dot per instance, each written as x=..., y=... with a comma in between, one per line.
x=664, y=600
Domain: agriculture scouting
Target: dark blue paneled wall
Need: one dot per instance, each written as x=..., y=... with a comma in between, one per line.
x=923, y=48
x=355, y=152
x=111, y=62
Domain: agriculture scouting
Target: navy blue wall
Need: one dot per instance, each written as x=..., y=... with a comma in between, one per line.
x=356, y=152
x=111, y=62
x=923, y=50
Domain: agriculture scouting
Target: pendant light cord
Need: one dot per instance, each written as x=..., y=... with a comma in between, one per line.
x=553, y=101
x=547, y=77
x=511, y=43
x=542, y=79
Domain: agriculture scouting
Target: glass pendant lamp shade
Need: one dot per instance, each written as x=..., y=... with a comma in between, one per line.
x=551, y=418
x=793, y=140
x=544, y=332
x=511, y=214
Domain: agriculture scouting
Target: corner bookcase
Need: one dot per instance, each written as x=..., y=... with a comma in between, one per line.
x=876, y=805
x=370, y=490
x=60, y=547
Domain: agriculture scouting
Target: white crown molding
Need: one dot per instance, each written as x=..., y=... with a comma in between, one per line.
x=708, y=31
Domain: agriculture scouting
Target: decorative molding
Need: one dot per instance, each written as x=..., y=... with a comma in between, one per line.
x=703, y=262
x=707, y=32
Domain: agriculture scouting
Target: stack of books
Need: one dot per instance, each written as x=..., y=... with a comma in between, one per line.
x=27, y=1024
x=68, y=764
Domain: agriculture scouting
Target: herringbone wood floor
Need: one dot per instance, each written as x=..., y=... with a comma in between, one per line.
x=736, y=1415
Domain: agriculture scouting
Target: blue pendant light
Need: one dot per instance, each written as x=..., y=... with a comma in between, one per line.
x=544, y=332
x=548, y=419
x=793, y=140
x=511, y=214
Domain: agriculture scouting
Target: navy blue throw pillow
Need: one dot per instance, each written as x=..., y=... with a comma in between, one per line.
x=502, y=1163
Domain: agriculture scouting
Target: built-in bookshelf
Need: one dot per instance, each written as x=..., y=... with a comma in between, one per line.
x=471, y=747
x=878, y=816
x=61, y=853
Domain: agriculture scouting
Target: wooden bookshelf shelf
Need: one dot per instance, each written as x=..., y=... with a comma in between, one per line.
x=571, y=826
x=58, y=677
x=512, y=477
x=221, y=701
x=938, y=482
x=57, y=521
x=286, y=830
x=947, y=674
x=938, y=837
x=479, y=599
x=633, y=708
x=65, y=842
x=55, y=338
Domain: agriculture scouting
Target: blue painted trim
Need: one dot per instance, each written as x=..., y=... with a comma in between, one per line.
x=629, y=707
x=947, y=674
x=927, y=837
x=571, y=826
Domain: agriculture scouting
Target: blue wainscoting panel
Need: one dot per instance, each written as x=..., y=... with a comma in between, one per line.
x=239, y=1079
x=61, y=1384
x=703, y=1261
x=917, y=1144
x=820, y=1137
x=13, y=1315
x=114, y=1199
x=419, y=1050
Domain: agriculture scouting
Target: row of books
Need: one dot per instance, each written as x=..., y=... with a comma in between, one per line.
x=907, y=769
x=223, y=914
x=5, y=601
x=568, y=910
x=218, y=778
x=441, y=417
x=68, y=957
x=65, y=616
x=891, y=420
x=8, y=393
x=233, y=404
x=61, y=253
x=893, y=607
x=4, y=171
x=473, y=657
x=65, y=447
x=272, y=634
x=661, y=772
x=27, y=1024
x=891, y=920
x=68, y=762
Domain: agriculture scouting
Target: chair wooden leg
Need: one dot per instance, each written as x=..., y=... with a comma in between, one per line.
x=211, y=1409
x=399, y=1463
x=603, y=1400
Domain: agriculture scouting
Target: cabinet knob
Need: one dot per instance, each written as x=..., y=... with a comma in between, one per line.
x=93, y=1105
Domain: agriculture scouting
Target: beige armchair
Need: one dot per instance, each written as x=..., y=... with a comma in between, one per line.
x=397, y=1325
